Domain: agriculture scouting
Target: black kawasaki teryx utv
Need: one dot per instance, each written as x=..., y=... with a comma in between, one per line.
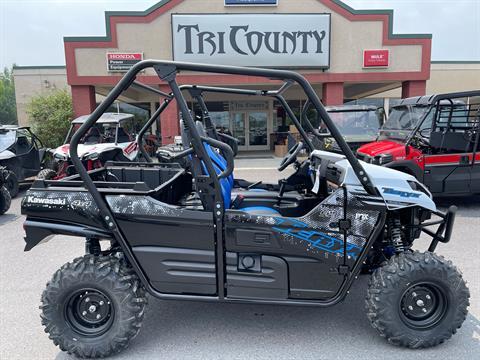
x=21, y=154
x=303, y=247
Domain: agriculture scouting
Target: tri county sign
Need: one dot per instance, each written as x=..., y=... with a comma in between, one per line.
x=282, y=40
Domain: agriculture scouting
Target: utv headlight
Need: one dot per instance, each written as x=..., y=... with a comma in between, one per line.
x=383, y=159
x=92, y=156
x=419, y=187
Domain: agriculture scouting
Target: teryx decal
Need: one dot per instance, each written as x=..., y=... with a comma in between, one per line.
x=316, y=239
x=401, y=193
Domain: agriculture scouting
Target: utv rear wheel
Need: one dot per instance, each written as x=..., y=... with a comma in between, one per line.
x=11, y=183
x=417, y=300
x=46, y=174
x=93, y=307
x=5, y=200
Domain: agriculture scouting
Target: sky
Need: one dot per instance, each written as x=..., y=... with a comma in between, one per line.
x=32, y=31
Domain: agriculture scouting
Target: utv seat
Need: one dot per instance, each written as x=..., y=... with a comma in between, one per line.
x=451, y=141
x=226, y=184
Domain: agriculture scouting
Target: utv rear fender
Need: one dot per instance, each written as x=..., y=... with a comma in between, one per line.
x=38, y=231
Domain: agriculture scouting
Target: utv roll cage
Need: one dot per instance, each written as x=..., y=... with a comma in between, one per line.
x=167, y=71
x=196, y=93
x=435, y=100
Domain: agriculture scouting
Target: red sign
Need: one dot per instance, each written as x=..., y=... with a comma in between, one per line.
x=122, y=61
x=375, y=58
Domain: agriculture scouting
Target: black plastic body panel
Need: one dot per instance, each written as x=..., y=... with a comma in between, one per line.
x=311, y=245
x=147, y=222
x=38, y=230
x=312, y=278
x=448, y=179
x=270, y=282
x=62, y=206
x=178, y=271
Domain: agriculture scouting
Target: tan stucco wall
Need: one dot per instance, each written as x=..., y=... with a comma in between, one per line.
x=445, y=78
x=32, y=82
x=348, y=39
x=453, y=77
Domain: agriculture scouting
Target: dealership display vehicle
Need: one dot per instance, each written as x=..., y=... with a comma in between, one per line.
x=143, y=237
x=21, y=154
x=358, y=124
x=434, y=138
x=5, y=199
x=111, y=139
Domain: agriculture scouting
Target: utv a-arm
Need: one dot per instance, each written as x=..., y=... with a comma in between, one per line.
x=143, y=235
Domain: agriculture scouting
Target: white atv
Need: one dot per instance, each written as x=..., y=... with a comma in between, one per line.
x=111, y=139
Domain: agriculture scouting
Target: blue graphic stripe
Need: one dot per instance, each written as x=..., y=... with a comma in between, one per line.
x=316, y=239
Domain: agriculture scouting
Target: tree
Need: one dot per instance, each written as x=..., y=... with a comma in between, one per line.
x=50, y=115
x=8, y=108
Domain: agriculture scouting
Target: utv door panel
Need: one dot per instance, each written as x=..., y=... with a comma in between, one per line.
x=177, y=270
x=267, y=278
x=448, y=173
x=311, y=244
x=148, y=222
x=475, y=182
x=305, y=280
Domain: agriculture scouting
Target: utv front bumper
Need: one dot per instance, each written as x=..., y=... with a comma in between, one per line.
x=445, y=227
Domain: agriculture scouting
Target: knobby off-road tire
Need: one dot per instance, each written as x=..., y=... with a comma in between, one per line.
x=5, y=200
x=11, y=183
x=46, y=174
x=417, y=300
x=88, y=287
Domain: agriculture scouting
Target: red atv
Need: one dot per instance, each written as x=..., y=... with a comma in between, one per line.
x=435, y=138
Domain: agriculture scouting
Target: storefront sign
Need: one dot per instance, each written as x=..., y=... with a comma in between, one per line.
x=122, y=62
x=251, y=2
x=375, y=58
x=248, y=105
x=288, y=40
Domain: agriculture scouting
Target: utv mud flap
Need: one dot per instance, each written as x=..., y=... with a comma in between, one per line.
x=39, y=231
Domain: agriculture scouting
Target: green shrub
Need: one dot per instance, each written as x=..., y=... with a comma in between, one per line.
x=8, y=108
x=50, y=115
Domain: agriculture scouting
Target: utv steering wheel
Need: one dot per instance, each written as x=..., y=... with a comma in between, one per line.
x=424, y=136
x=291, y=156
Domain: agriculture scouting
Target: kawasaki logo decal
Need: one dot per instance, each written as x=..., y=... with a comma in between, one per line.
x=46, y=201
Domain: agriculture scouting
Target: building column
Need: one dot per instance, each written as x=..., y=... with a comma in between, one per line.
x=169, y=122
x=332, y=93
x=83, y=99
x=413, y=88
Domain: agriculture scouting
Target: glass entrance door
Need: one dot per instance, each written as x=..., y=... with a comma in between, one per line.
x=257, y=130
x=251, y=129
x=239, y=130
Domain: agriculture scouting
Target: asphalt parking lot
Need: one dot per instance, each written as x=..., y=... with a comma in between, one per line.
x=188, y=330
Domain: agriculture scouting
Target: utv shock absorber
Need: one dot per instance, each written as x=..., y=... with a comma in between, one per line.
x=92, y=246
x=396, y=234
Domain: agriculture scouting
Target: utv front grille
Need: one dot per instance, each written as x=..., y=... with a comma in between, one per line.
x=365, y=157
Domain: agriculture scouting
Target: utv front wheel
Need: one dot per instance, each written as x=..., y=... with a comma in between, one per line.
x=93, y=307
x=11, y=183
x=5, y=200
x=417, y=300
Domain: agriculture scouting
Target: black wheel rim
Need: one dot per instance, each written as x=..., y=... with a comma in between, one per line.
x=423, y=305
x=89, y=312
